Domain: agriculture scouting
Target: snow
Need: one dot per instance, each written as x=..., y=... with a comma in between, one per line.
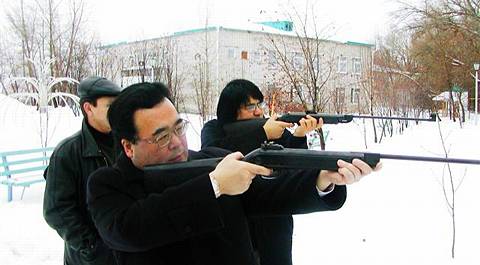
x=399, y=215
x=396, y=216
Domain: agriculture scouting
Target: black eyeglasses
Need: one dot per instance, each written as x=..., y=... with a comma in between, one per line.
x=253, y=106
x=163, y=138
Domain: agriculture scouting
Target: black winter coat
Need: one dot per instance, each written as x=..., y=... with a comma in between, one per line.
x=247, y=140
x=272, y=236
x=176, y=219
x=64, y=204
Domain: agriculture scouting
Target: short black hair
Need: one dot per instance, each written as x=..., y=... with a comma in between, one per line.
x=233, y=96
x=135, y=97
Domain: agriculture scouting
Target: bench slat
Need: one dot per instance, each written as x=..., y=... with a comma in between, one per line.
x=23, y=183
x=25, y=161
x=19, y=176
x=22, y=170
x=27, y=151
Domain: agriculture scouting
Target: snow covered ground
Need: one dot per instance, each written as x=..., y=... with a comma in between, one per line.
x=396, y=216
x=399, y=215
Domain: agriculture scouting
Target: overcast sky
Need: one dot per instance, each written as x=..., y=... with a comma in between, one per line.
x=120, y=20
x=129, y=20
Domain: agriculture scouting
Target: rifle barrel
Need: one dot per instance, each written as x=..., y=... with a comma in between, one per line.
x=294, y=117
x=392, y=118
x=431, y=159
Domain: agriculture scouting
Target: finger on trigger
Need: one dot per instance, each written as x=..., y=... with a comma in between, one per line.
x=284, y=124
x=237, y=155
x=260, y=170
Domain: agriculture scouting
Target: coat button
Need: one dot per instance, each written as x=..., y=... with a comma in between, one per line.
x=187, y=229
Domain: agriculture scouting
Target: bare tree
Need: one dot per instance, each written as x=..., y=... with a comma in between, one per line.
x=305, y=61
x=450, y=187
x=108, y=63
x=306, y=64
x=401, y=81
x=366, y=80
x=444, y=32
x=46, y=29
x=23, y=27
x=459, y=14
x=166, y=67
x=42, y=96
x=202, y=80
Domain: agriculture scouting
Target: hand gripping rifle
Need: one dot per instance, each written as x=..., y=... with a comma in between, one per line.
x=295, y=117
x=275, y=156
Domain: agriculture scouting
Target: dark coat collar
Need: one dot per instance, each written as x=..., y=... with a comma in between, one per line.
x=128, y=169
x=89, y=145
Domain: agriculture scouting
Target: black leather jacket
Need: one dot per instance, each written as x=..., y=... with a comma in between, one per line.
x=64, y=204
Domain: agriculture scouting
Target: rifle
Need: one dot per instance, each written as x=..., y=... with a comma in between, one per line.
x=295, y=117
x=275, y=156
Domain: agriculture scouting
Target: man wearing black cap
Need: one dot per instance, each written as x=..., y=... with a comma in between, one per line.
x=64, y=204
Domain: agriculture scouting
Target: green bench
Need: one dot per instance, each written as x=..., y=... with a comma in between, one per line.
x=23, y=168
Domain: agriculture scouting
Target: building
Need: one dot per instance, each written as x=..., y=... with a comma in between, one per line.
x=198, y=63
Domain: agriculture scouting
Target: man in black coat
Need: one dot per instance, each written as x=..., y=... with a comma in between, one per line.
x=242, y=100
x=200, y=217
x=73, y=160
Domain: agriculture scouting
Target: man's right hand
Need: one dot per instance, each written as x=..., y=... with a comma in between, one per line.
x=274, y=129
x=234, y=176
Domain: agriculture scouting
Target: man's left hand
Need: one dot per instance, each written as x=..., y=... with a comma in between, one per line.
x=347, y=173
x=307, y=124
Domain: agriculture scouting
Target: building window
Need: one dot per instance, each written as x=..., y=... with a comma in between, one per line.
x=340, y=95
x=297, y=61
x=244, y=55
x=339, y=99
x=316, y=64
x=272, y=60
x=342, y=64
x=255, y=56
x=231, y=53
x=356, y=66
x=354, y=95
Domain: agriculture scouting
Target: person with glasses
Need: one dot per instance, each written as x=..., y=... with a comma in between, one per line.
x=64, y=202
x=242, y=100
x=199, y=215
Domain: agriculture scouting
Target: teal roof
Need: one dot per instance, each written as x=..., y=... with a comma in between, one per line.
x=194, y=30
x=286, y=26
x=281, y=25
x=359, y=44
x=113, y=45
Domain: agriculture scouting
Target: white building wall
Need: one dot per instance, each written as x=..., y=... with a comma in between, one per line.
x=229, y=65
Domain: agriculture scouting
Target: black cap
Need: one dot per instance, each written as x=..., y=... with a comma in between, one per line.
x=95, y=86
